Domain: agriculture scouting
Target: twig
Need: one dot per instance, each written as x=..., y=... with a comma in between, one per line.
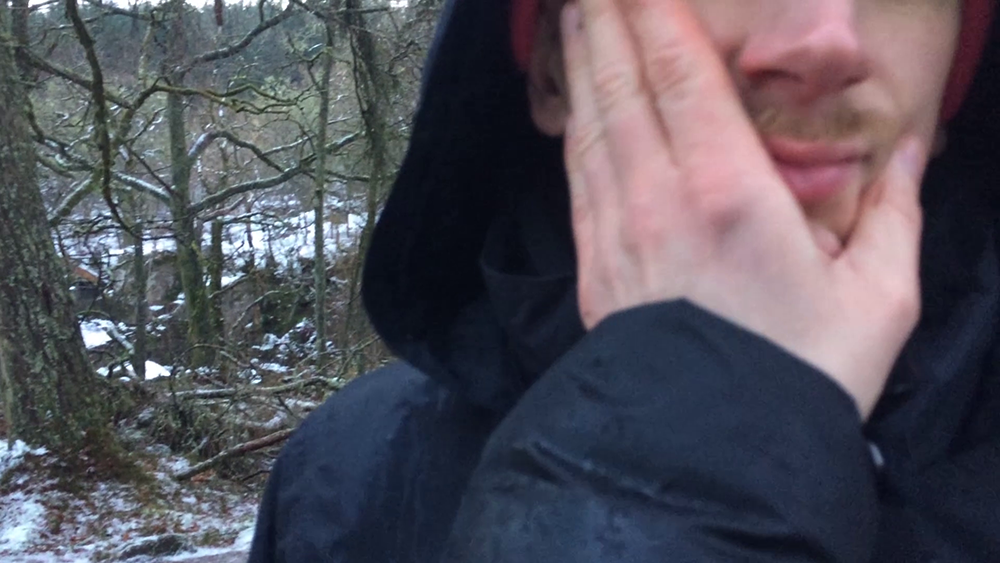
x=223, y=393
x=241, y=449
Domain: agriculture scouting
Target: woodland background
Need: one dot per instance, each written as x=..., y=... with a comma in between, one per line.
x=186, y=194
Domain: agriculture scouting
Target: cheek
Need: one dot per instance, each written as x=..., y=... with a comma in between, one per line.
x=913, y=67
x=726, y=22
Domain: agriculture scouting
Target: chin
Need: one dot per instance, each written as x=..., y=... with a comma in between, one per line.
x=839, y=215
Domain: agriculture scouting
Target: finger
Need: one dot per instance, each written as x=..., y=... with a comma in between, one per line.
x=632, y=129
x=585, y=147
x=886, y=242
x=591, y=179
x=692, y=91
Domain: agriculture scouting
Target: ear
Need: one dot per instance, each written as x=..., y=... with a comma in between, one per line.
x=547, y=93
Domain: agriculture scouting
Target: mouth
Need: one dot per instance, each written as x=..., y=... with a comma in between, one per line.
x=817, y=171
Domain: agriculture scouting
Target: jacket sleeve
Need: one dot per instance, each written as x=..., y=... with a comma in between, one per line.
x=671, y=435
x=326, y=486
x=263, y=549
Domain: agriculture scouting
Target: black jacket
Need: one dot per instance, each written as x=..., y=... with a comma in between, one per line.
x=665, y=434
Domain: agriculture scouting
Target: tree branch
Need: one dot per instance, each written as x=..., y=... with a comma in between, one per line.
x=334, y=147
x=45, y=66
x=228, y=98
x=264, y=183
x=235, y=48
x=241, y=449
x=111, y=10
x=102, y=135
x=244, y=187
x=205, y=140
x=226, y=393
x=66, y=206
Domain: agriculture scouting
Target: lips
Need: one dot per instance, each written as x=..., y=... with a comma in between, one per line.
x=816, y=171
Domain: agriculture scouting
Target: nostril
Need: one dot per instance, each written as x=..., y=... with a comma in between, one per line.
x=818, y=61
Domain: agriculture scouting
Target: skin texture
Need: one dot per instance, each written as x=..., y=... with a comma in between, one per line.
x=828, y=70
x=664, y=104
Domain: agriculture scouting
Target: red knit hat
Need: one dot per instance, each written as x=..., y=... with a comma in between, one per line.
x=976, y=18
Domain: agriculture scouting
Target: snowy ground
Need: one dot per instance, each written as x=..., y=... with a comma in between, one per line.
x=204, y=521
x=286, y=240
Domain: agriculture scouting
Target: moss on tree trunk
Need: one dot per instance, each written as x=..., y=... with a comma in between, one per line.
x=201, y=336
x=51, y=395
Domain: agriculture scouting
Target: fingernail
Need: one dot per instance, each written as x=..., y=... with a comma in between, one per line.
x=572, y=23
x=911, y=158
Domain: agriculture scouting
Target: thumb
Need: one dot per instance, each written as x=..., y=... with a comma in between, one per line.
x=886, y=240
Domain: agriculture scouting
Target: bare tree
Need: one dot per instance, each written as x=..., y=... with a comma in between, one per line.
x=51, y=396
x=378, y=44
x=115, y=114
x=319, y=195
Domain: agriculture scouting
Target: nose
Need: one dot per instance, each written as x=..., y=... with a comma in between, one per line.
x=807, y=48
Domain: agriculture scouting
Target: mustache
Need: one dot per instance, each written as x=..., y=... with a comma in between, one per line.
x=838, y=122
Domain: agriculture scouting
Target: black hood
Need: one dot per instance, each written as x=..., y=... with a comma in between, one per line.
x=469, y=276
x=473, y=152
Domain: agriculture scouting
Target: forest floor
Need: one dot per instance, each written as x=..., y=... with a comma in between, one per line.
x=155, y=520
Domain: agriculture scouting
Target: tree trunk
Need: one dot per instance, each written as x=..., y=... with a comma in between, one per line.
x=201, y=337
x=372, y=90
x=51, y=395
x=139, y=354
x=216, y=257
x=216, y=263
x=319, y=199
x=20, y=10
x=140, y=278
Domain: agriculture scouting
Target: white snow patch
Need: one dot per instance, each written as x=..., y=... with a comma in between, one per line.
x=153, y=371
x=95, y=332
x=20, y=515
x=287, y=240
x=245, y=538
x=270, y=342
x=273, y=367
x=176, y=465
x=119, y=515
x=12, y=455
x=199, y=553
x=20, y=519
x=291, y=238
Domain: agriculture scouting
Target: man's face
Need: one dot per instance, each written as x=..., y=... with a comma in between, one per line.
x=831, y=85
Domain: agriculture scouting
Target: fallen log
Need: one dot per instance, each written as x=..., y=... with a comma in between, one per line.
x=225, y=393
x=241, y=449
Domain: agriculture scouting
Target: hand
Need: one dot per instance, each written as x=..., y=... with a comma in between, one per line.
x=673, y=196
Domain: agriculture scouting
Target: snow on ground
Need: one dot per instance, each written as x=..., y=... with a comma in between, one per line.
x=126, y=371
x=155, y=370
x=292, y=237
x=22, y=517
x=11, y=455
x=95, y=332
x=286, y=239
x=42, y=523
